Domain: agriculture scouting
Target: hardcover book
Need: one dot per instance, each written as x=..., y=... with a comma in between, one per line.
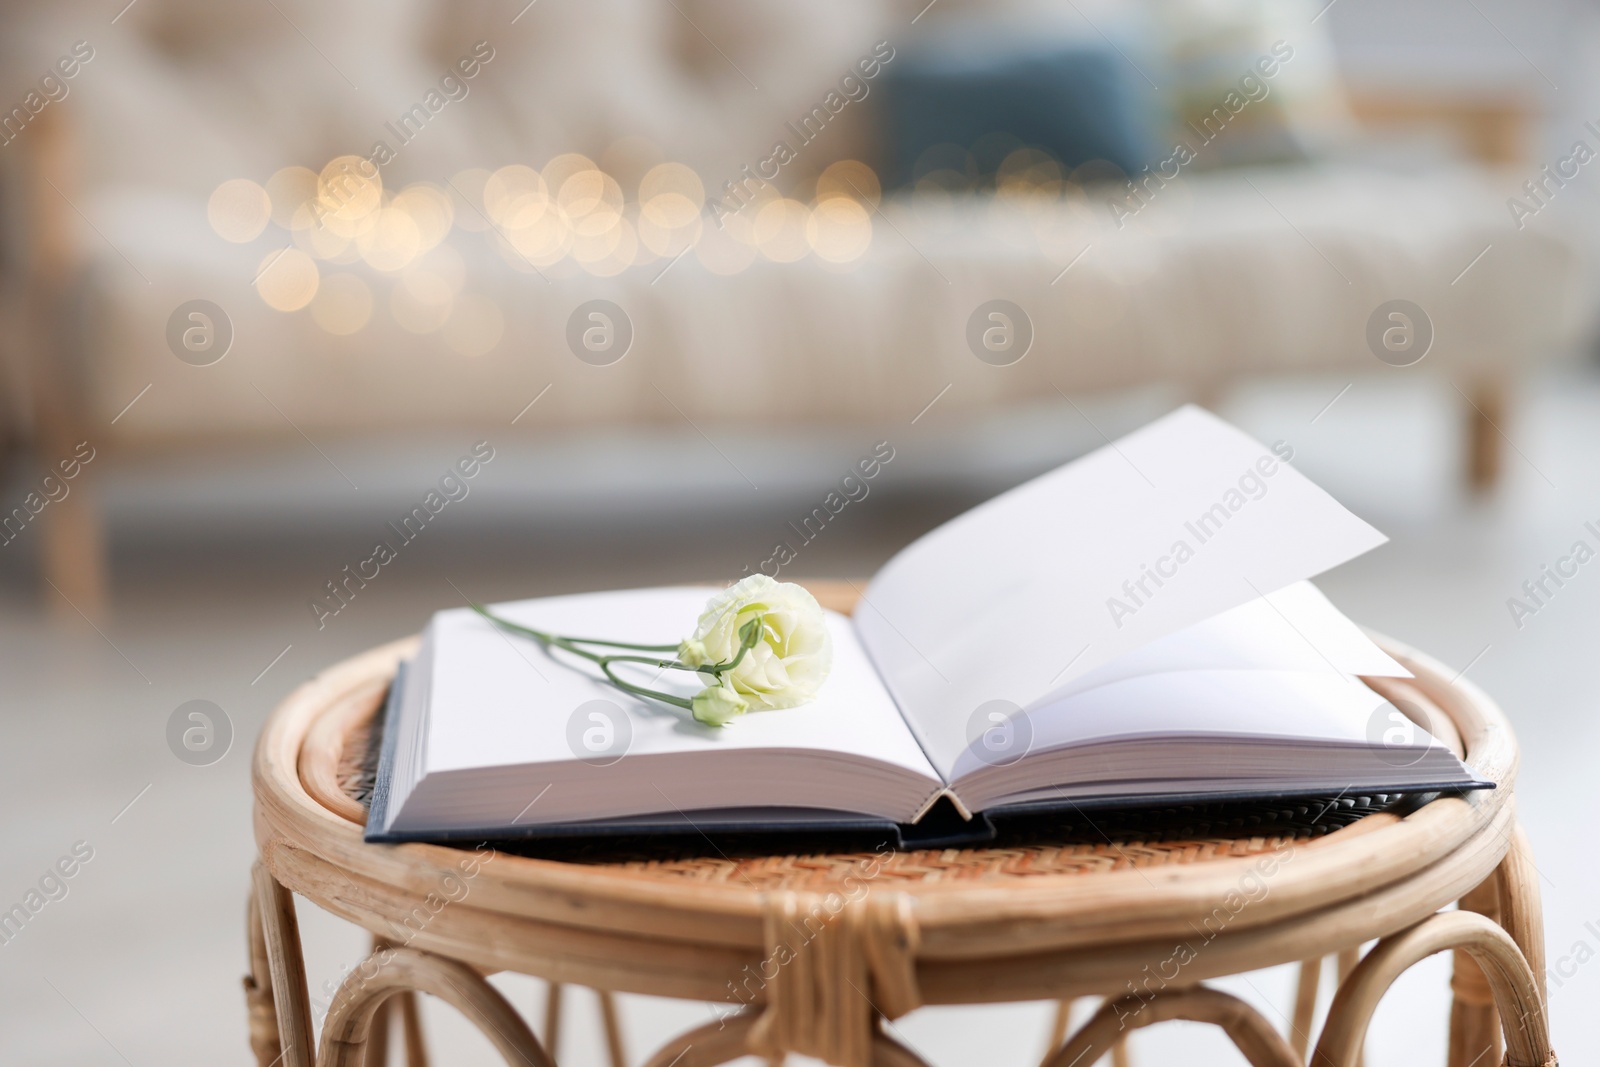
x=1136, y=627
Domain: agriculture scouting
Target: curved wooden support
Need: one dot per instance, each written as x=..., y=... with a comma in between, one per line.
x=388, y=972
x=405, y=1006
x=727, y=1039
x=1261, y=1044
x=708, y=1045
x=1515, y=989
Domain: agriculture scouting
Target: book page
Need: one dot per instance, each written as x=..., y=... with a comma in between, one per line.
x=1293, y=629
x=1269, y=720
x=1172, y=524
x=499, y=699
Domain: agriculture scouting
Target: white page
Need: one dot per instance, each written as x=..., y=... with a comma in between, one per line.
x=1296, y=706
x=1293, y=629
x=498, y=699
x=1293, y=633
x=1015, y=598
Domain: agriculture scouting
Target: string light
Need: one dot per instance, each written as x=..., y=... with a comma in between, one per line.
x=287, y=279
x=239, y=210
x=839, y=230
x=569, y=216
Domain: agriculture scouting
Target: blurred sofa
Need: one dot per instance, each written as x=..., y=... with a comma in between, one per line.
x=1273, y=263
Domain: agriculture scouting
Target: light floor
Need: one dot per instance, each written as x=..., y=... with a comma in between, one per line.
x=140, y=962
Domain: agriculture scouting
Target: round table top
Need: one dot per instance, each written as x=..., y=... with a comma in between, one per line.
x=1060, y=917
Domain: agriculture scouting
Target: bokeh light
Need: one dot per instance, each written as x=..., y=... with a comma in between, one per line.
x=321, y=241
x=391, y=242
x=290, y=189
x=849, y=178
x=780, y=230
x=429, y=208
x=619, y=258
x=539, y=245
x=343, y=304
x=839, y=230
x=287, y=280
x=559, y=169
x=239, y=210
x=672, y=179
x=348, y=188
x=590, y=248
x=515, y=196
x=572, y=216
x=592, y=202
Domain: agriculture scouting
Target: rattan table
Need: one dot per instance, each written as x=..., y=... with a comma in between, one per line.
x=812, y=954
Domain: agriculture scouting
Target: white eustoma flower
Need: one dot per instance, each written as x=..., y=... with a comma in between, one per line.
x=792, y=657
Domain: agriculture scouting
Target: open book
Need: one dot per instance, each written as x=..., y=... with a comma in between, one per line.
x=1134, y=627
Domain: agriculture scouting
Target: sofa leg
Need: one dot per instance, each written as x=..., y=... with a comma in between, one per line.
x=1488, y=406
x=72, y=557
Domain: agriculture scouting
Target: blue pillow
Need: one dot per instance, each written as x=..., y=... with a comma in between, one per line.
x=1078, y=102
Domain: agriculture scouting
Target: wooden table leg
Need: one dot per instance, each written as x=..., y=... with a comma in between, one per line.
x=552, y=1021
x=1305, y=1005
x=378, y=1040
x=1488, y=409
x=263, y=1013
x=411, y=1028
x=1510, y=897
x=613, y=1028
x=1058, y=1028
x=1521, y=912
x=1347, y=961
x=281, y=937
x=1474, y=1025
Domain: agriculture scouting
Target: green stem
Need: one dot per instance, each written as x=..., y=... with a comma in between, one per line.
x=541, y=635
x=622, y=644
x=654, y=694
x=749, y=634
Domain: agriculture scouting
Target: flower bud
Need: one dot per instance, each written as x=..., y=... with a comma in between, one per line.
x=717, y=705
x=692, y=652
